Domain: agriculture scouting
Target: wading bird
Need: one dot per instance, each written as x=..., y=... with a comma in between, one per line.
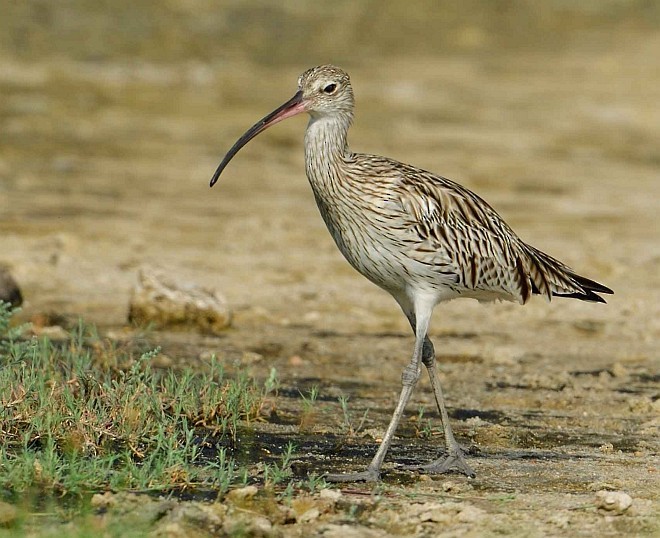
x=421, y=237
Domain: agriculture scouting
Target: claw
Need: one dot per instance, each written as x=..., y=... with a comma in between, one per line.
x=370, y=475
x=454, y=462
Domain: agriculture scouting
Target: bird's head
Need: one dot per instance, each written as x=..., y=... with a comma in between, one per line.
x=323, y=91
x=326, y=91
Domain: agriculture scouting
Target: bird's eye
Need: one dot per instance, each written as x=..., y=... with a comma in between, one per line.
x=330, y=88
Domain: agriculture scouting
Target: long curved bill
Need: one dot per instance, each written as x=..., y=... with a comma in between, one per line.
x=293, y=106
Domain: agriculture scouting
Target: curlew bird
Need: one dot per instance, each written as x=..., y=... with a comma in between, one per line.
x=421, y=237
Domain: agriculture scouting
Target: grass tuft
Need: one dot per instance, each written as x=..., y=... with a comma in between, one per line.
x=73, y=422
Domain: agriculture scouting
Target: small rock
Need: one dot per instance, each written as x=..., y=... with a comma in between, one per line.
x=244, y=525
x=161, y=299
x=103, y=500
x=349, y=531
x=250, y=357
x=615, y=502
x=309, y=515
x=9, y=290
x=8, y=514
x=296, y=360
x=54, y=333
x=449, y=486
x=330, y=494
x=190, y=519
x=242, y=494
x=619, y=370
x=162, y=361
x=142, y=508
x=446, y=512
x=260, y=526
x=303, y=504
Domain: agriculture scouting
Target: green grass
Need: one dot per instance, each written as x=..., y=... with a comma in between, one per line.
x=84, y=416
x=348, y=427
x=308, y=415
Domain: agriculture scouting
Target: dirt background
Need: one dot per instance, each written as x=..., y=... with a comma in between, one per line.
x=113, y=118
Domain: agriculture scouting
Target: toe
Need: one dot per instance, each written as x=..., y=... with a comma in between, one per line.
x=369, y=475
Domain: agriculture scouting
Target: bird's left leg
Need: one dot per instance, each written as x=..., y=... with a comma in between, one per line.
x=454, y=461
x=455, y=458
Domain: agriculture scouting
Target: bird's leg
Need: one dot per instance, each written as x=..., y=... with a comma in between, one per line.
x=409, y=378
x=454, y=461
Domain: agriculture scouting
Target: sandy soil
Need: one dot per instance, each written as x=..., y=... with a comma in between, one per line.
x=104, y=166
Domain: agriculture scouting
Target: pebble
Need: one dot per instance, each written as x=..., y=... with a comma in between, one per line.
x=296, y=360
x=252, y=525
x=614, y=502
x=186, y=519
x=54, y=333
x=330, y=494
x=250, y=357
x=449, y=486
x=162, y=361
x=447, y=512
x=349, y=531
x=619, y=370
x=103, y=500
x=309, y=515
x=242, y=494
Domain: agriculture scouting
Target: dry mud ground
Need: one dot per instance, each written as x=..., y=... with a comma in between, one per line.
x=104, y=166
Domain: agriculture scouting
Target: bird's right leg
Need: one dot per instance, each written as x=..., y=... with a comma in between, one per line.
x=454, y=461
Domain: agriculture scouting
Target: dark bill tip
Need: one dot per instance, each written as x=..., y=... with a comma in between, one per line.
x=292, y=107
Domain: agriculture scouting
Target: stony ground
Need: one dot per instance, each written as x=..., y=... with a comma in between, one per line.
x=104, y=167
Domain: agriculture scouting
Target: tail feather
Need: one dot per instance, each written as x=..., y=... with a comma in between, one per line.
x=550, y=277
x=590, y=289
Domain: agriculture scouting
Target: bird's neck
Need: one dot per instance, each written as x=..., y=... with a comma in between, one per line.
x=326, y=147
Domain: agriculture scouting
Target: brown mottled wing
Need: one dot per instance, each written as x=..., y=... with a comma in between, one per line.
x=488, y=253
x=460, y=238
x=488, y=256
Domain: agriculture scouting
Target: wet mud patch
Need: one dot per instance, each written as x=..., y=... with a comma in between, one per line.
x=492, y=438
x=555, y=414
